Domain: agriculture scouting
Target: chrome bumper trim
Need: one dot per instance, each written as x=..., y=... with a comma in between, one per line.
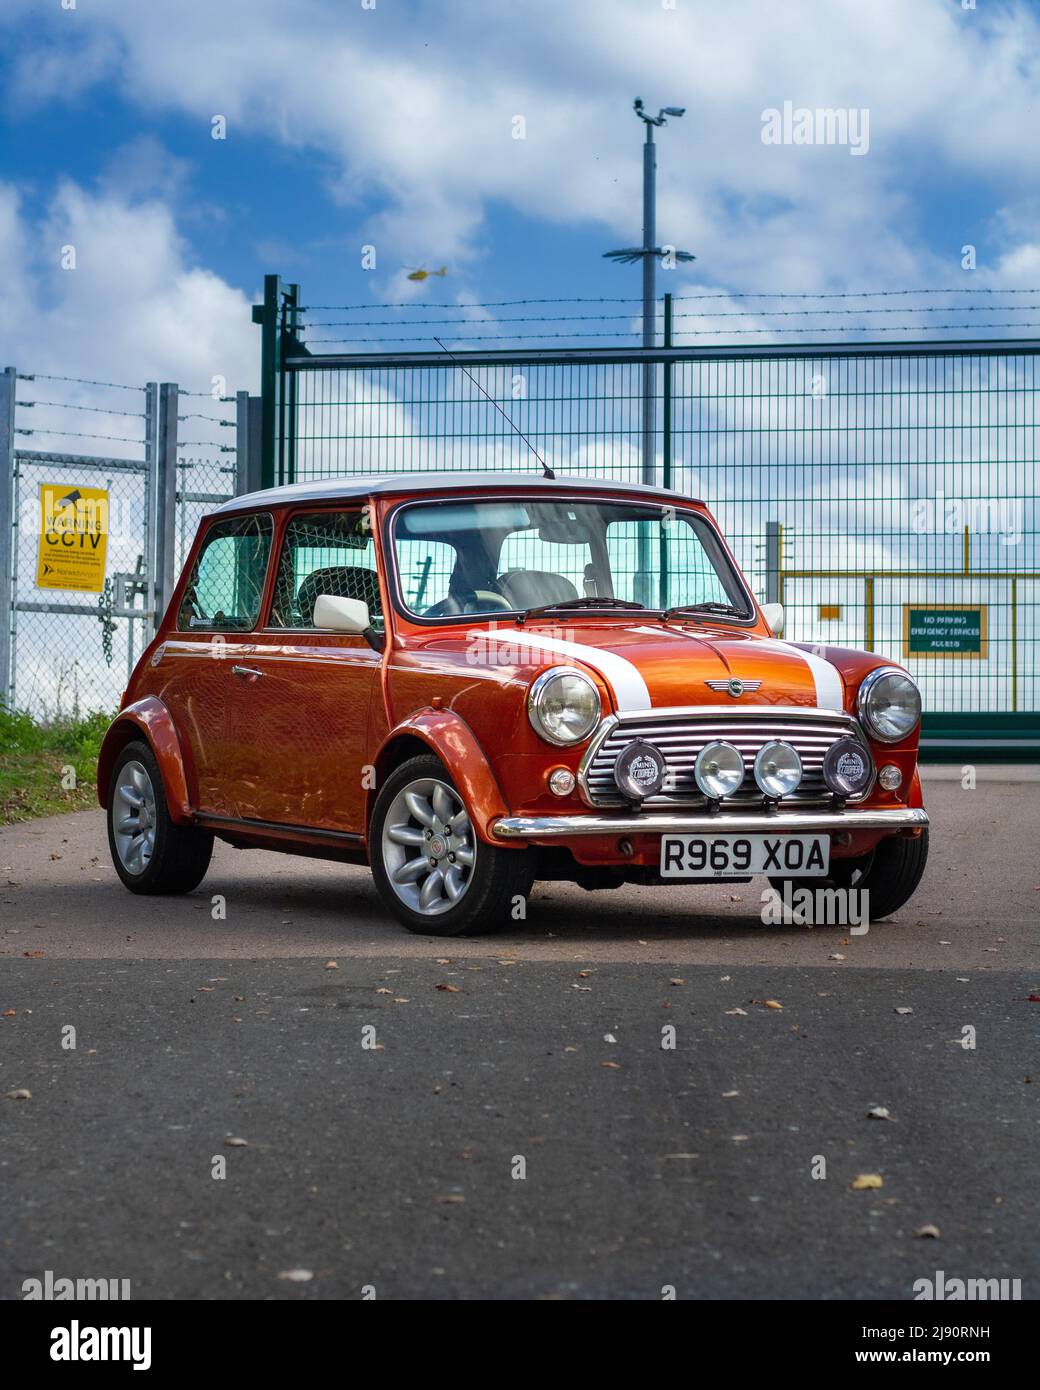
x=666, y=823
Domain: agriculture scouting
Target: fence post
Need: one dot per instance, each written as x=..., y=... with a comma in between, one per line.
x=166, y=497
x=774, y=533
x=248, y=416
x=267, y=315
x=8, y=381
x=151, y=458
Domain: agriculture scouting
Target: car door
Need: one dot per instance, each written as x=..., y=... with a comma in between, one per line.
x=219, y=607
x=300, y=706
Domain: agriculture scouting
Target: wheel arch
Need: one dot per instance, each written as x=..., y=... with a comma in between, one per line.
x=151, y=720
x=449, y=738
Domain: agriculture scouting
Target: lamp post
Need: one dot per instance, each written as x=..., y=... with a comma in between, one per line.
x=648, y=253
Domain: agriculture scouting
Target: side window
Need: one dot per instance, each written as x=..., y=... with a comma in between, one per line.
x=227, y=581
x=325, y=553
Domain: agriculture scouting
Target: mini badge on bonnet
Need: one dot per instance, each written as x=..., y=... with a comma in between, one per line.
x=157, y=655
x=733, y=686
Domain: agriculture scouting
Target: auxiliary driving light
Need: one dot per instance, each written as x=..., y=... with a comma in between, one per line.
x=890, y=777
x=778, y=769
x=719, y=770
x=639, y=770
x=846, y=767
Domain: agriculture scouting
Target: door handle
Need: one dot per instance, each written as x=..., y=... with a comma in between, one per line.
x=245, y=671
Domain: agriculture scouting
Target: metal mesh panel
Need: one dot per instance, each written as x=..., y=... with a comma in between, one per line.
x=903, y=483
x=202, y=484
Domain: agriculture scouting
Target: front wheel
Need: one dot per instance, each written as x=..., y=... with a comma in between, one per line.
x=150, y=852
x=889, y=875
x=429, y=866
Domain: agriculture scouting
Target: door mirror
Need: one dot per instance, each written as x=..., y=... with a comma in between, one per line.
x=774, y=616
x=341, y=614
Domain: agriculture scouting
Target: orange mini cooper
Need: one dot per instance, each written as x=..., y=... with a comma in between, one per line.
x=473, y=681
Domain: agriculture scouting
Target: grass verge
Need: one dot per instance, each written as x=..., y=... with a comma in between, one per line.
x=35, y=763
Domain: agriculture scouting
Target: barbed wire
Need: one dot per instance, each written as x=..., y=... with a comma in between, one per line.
x=205, y=444
x=94, y=409
x=696, y=332
x=82, y=434
x=228, y=424
x=689, y=314
x=632, y=299
x=80, y=380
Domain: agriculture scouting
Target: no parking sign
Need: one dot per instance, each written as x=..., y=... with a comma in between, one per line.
x=73, y=538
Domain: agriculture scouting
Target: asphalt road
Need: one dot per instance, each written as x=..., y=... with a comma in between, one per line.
x=395, y=1166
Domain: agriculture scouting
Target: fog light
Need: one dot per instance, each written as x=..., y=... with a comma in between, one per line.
x=778, y=769
x=719, y=770
x=639, y=770
x=561, y=781
x=846, y=767
x=890, y=777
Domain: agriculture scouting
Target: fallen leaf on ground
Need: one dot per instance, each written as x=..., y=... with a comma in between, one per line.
x=677, y=981
x=614, y=1066
x=331, y=965
x=383, y=990
x=903, y=1009
x=452, y=1198
x=931, y=1231
x=836, y=955
x=233, y=1142
x=447, y=989
x=865, y=1181
x=742, y=1012
x=10, y=1013
x=728, y=1095
x=20, y=1094
x=297, y=1276
x=879, y=1112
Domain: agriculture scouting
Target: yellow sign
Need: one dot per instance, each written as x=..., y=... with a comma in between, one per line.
x=73, y=538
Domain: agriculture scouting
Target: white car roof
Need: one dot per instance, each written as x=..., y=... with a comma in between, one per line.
x=381, y=484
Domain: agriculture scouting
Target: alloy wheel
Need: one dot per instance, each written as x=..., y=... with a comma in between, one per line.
x=133, y=817
x=429, y=849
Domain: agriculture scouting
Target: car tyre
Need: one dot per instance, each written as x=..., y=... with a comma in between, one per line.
x=431, y=869
x=890, y=875
x=151, y=854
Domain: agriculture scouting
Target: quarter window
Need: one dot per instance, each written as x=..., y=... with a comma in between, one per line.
x=325, y=553
x=227, y=580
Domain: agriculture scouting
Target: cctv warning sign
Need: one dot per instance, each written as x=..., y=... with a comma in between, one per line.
x=73, y=538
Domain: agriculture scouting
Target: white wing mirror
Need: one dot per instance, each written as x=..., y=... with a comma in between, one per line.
x=774, y=616
x=341, y=614
x=347, y=615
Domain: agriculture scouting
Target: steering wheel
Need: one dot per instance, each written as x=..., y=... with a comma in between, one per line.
x=471, y=601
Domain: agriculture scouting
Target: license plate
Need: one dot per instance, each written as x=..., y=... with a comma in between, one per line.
x=728, y=856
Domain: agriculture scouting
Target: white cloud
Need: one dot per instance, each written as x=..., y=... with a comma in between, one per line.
x=134, y=309
x=414, y=108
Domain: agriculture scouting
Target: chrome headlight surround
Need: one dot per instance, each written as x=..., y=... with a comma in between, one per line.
x=541, y=692
x=885, y=718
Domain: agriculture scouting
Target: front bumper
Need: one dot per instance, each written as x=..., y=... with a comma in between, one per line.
x=677, y=823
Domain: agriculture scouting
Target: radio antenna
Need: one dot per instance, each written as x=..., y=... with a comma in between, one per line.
x=547, y=471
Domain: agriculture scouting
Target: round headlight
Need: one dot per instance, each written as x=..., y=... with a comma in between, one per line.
x=778, y=768
x=639, y=770
x=846, y=767
x=889, y=704
x=719, y=770
x=563, y=705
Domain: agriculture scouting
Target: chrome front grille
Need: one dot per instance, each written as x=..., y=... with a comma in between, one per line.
x=681, y=734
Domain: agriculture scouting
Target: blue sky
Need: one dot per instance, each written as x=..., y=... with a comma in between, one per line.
x=393, y=126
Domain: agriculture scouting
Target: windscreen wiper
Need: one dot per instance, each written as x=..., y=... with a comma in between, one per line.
x=579, y=603
x=726, y=608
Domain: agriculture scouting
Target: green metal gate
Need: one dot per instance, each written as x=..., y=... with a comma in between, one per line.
x=885, y=493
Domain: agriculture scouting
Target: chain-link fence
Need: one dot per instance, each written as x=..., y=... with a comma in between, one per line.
x=102, y=486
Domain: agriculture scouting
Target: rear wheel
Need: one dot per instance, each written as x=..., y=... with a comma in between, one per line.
x=151, y=854
x=429, y=866
x=890, y=875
